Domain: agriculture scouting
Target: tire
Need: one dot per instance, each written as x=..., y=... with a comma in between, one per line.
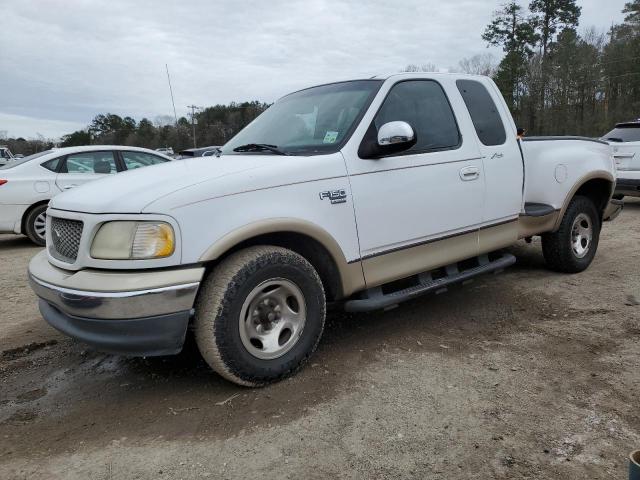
x=618, y=197
x=572, y=247
x=34, y=225
x=250, y=297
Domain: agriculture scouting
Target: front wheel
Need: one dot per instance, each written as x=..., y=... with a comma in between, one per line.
x=572, y=247
x=259, y=315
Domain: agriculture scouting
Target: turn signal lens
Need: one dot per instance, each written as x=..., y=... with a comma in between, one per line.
x=153, y=240
x=2, y=182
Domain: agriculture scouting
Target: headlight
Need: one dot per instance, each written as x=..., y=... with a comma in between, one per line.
x=133, y=241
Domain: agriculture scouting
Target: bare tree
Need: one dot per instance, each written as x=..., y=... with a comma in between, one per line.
x=425, y=67
x=481, y=64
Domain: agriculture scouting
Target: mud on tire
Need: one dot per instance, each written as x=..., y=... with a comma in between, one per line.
x=572, y=247
x=233, y=310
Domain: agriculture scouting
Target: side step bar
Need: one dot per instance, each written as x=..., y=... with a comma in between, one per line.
x=376, y=299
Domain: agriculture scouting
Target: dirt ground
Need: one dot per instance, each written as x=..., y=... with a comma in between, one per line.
x=527, y=374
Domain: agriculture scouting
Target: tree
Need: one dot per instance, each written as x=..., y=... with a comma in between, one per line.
x=481, y=64
x=75, y=139
x=551, y=16
x=425, y=67
x=515, y=34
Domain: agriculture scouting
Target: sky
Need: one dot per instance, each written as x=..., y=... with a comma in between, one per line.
x=64, y=61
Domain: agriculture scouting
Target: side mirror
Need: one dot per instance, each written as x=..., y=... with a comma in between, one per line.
x=392, y=137
x=398, y=134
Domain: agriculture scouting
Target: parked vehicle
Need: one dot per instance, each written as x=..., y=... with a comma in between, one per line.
x=363, y=193
x=165, y=151
x=625, y=144
x=27, y=185
x=5, y=155
x=200, y=152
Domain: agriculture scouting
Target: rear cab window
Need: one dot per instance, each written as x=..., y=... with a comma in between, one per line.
x=484, y=112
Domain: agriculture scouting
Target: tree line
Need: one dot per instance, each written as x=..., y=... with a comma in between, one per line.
x=555, y=80
x=559, y=82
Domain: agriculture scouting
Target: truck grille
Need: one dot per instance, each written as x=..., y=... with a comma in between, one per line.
x=65, y=239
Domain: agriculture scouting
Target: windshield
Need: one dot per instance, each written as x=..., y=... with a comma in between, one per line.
x=317, y=120
x=15, y=163
x=624, y=134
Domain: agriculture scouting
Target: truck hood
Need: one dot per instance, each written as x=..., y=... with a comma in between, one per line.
x=194, y=179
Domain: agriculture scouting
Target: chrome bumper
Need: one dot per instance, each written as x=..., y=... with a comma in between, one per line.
x=117, y=305
x=141, y=313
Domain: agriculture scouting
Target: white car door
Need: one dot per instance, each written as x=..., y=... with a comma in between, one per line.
x=420, y=208
x=80, y=168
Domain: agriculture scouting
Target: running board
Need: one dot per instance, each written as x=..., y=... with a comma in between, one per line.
x=377, y=299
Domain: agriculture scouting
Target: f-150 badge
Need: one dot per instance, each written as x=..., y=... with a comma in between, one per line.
x=335, y=196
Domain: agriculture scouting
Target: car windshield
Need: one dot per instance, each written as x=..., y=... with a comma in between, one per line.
x=624, y=134
x=314, y=121
x=15, y=163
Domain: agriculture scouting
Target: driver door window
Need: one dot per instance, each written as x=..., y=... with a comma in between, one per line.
x=133, y=160
x=424, y=106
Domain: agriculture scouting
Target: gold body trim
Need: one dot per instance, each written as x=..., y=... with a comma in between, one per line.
x=351, y=275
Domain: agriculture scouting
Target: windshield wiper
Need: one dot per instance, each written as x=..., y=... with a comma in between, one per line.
x=615, y=139
x=259, y=147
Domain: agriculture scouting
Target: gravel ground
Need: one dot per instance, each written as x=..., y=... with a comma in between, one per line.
x=527, y=374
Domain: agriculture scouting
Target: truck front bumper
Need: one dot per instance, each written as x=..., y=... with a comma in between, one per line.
x=137, y=313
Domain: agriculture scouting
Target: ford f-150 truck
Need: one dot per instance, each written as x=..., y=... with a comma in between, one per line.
x=362, y=193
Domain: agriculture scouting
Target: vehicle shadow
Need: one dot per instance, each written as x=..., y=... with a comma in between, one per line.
x=15, y=241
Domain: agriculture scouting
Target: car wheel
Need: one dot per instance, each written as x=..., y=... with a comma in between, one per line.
x=35, y=225
x=259, y=315
x=572, y=247
x=618, y=197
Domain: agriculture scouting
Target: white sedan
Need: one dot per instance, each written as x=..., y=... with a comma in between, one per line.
x=27, y=184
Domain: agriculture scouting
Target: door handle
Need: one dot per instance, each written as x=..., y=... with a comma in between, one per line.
x=497, y=155
x=469, y=173
x=68, y=187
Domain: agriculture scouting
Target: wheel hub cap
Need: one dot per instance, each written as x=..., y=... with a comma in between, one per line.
x=581, y=235
x=272, y=318
x=40, y=225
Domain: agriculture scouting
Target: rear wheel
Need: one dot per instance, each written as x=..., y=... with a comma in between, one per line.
x=572, y=247
x=35, y=224
x=260, y=315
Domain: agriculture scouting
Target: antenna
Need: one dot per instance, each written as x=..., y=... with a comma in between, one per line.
x=175, y=116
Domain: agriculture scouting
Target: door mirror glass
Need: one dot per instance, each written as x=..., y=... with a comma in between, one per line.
x=396, y=133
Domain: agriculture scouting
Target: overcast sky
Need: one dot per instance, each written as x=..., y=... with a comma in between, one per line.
x=64, y=61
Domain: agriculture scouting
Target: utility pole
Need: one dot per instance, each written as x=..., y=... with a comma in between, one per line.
x=193, y=122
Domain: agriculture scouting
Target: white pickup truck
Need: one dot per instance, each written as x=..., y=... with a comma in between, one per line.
x=362, y=193
x=625, y=144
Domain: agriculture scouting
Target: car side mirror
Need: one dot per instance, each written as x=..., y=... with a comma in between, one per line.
x=396, y=134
